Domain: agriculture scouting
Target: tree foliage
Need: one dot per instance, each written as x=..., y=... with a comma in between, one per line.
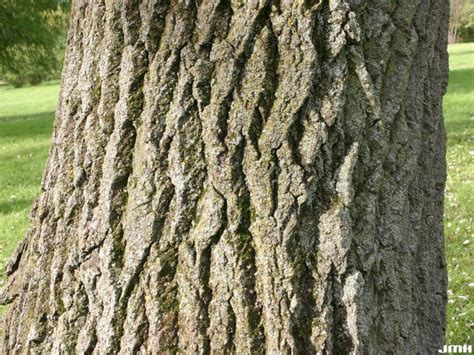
x=31, y=39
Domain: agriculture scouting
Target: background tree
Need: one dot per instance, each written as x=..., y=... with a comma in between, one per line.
x=462, y=20
x=457, y=7
x=466, y=32
x=32, y=40
x=241, y=177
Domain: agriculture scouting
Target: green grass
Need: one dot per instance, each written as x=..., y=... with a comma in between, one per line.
x=26, y=117
x=459, y=202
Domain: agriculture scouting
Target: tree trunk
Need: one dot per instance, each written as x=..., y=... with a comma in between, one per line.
x=241, y=177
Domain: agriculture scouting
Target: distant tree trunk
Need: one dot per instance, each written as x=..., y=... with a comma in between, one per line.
x=456, y=8
x=241, y=177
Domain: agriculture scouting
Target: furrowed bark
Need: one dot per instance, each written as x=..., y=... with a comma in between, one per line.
x=241, y=177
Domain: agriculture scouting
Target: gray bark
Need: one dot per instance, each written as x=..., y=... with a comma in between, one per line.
x=241, y=177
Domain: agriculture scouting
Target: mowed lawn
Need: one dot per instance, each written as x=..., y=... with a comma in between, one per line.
x=26, y=117
x=459, y=202
x=26, y=121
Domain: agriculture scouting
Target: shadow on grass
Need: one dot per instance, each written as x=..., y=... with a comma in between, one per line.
x=19, y=118
x=460, y=81
x=459, y=126
x=27, y=125
x=7, y=207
